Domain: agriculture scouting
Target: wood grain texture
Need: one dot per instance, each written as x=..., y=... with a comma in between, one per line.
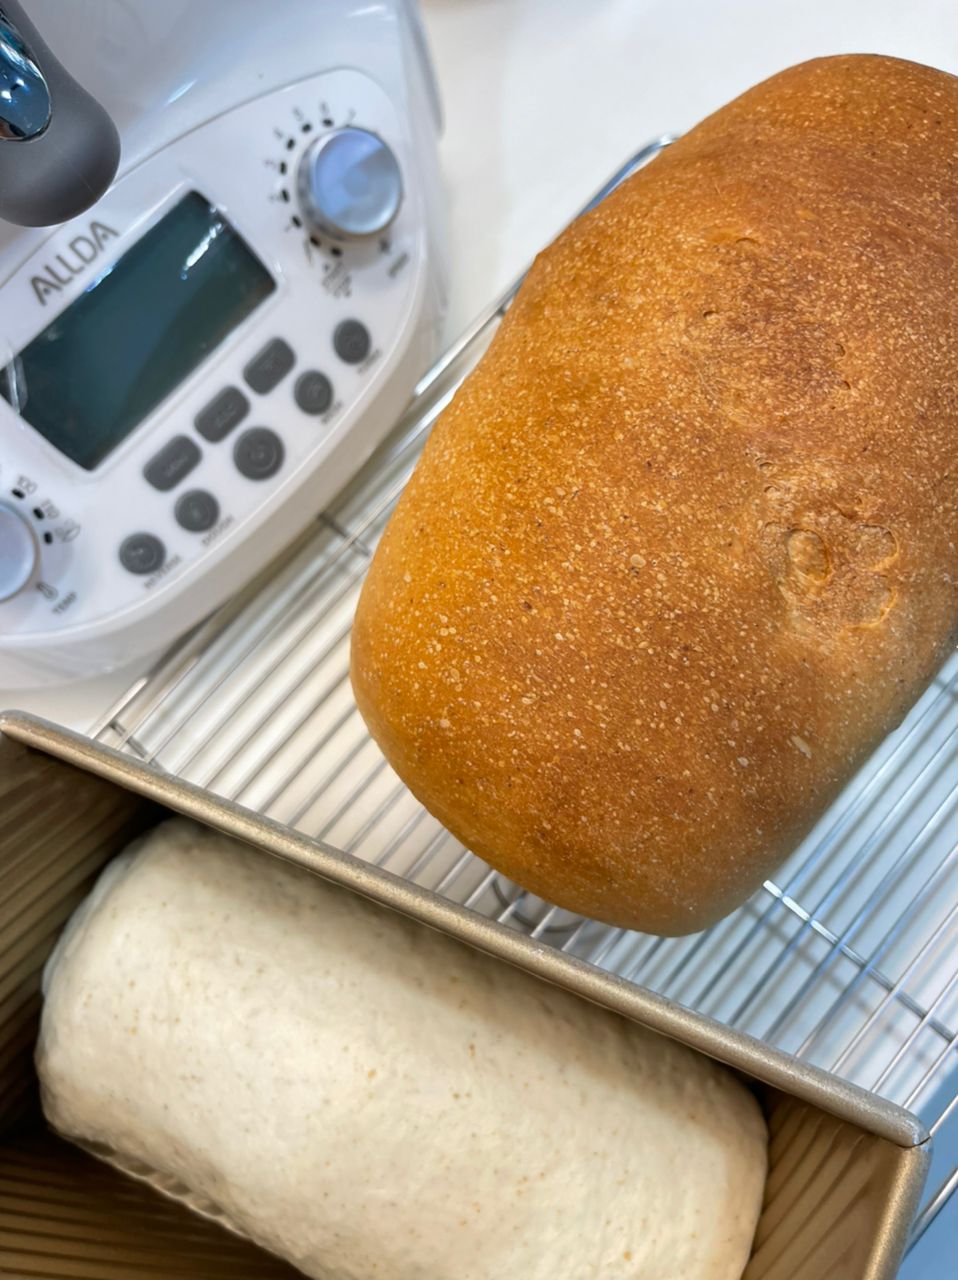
x=825, y=1179
x=682, y=550
x=66, y=1216
x=59, y=826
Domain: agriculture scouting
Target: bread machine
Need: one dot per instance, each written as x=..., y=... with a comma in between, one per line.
x=196, y=362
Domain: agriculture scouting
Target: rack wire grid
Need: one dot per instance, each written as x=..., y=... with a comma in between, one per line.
x=848, y=958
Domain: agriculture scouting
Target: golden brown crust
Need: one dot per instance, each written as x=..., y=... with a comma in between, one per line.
x=682, y=550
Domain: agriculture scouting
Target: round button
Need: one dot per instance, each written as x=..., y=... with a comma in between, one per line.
x=18, y=552
x=258, y=453
x=349, y=184
x=351, y=341
x=313, y=392
x=142, y=553
x=196, y=511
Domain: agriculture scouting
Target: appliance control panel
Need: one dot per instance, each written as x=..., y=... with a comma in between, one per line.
x=195, y=365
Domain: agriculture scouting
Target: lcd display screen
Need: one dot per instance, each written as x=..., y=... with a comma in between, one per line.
x=139, y=329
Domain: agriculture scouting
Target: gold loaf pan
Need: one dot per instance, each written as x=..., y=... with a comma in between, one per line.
x=846, y=1169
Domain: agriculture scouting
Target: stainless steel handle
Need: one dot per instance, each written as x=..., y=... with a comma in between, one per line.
x=25, y=106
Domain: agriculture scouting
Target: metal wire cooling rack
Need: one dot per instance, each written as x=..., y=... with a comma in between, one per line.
x=849, y=958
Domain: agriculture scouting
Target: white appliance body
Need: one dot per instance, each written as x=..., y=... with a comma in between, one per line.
x=174, y=415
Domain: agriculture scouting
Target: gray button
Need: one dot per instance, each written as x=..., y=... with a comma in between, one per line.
x=351, y=341
x=313, y=392
x=258, y=453
x=270, y=367
x=18, y=552
x=222, y=414
x=142, y=553
x=196, y=510
x=174, y=461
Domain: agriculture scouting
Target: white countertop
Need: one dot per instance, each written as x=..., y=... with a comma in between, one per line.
x=544, y=99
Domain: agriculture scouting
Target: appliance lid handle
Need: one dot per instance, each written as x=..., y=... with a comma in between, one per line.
x=59, y=150
x=24, y=94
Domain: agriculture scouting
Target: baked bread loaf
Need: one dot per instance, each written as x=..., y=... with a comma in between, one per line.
x=367, y=1098
x=683, y=548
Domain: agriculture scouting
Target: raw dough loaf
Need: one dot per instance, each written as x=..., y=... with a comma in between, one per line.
x=368, y=1098
x=684, y=548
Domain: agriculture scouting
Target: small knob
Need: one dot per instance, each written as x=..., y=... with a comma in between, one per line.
x=18, y=552
x=349, y=184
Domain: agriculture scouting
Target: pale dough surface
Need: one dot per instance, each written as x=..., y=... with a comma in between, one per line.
x=368, y=1098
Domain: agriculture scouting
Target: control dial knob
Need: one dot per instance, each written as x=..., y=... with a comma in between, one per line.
x=349, y=184
x=18, y=552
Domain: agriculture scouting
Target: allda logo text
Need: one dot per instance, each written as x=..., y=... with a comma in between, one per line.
x=76, y=257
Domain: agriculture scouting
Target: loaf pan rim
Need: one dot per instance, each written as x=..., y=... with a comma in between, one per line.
x=736, y=1049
